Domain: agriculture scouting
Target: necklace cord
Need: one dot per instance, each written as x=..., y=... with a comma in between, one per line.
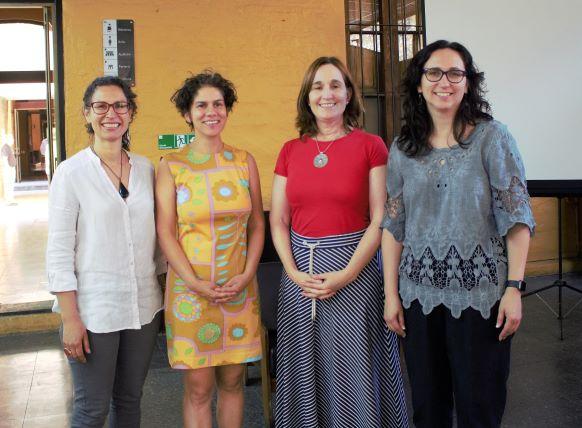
x=108, y=167
x=343, y=134
x=327, y=148
x=122, y=190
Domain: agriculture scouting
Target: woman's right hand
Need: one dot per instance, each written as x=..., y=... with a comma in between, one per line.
x=75, y=339
x=394, y=315
x=212, y=292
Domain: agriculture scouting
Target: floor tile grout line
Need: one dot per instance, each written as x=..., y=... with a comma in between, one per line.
x=30, y=389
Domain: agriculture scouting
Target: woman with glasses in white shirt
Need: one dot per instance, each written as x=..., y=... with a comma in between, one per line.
x=102, y=262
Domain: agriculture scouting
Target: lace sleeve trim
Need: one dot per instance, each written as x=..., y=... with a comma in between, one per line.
x=512, y=198
x=394, y=207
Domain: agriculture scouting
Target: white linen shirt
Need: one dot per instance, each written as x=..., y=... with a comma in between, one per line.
x=103, y=247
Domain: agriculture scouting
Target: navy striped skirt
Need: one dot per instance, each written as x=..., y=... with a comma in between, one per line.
x=341, y=369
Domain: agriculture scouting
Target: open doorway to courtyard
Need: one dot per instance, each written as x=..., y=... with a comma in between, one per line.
x=28, y=153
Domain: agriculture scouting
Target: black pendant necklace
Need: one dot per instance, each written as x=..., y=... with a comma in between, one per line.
x=123, y=192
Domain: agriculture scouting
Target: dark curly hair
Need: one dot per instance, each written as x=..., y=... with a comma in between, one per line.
x=184, y=97
x=417, y=123
x=127, y=91
x=305, y=121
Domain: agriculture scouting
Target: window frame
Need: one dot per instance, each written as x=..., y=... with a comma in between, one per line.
x=390, y=36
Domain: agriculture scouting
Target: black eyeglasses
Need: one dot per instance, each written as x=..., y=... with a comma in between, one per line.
x=101, y=107
x=436, y=74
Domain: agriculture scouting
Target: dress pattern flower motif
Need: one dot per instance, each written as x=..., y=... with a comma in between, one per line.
x=187, y=308
x=238, y=331
x=225, y=190
x=182, y=194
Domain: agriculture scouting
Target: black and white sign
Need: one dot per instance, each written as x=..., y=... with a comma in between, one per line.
x=118, y=49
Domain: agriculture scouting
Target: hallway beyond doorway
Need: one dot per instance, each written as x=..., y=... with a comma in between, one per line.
x=23, y=234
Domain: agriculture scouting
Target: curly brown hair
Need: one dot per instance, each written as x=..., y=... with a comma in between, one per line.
x=184, y=97
x=305, y=122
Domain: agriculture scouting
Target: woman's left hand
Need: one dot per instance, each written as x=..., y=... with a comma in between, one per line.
x=236, y=284
x=510, y=311
x=332, y=282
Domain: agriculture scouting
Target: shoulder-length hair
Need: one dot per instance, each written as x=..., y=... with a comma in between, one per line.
x=417, y=123
x=305, y=122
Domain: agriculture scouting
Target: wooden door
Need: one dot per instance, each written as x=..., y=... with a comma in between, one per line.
x=35, y=131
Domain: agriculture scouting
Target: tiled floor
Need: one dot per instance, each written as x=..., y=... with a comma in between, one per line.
x=35, y=386
x=23, y=233
x=545, y=385
x=35, y=390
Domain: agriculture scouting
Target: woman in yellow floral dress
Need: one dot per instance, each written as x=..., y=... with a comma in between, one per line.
x=211, y=227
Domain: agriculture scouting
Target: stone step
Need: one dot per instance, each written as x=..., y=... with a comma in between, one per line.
x=28, y=317
x=26, y=186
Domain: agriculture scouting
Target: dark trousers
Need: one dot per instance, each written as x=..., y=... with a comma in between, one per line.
x=111, y=380
x=456, y=360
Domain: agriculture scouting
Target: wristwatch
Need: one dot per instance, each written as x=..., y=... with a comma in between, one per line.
x=520, y=285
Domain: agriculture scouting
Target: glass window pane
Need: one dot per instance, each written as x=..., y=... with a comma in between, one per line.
x=364, y=12
x=383, y=36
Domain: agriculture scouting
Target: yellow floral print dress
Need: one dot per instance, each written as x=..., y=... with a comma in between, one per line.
x=213, y=207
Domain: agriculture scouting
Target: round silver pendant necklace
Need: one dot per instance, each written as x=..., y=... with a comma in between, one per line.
x=320, y=160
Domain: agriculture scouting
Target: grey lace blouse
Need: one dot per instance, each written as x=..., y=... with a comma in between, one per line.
x=451, y=209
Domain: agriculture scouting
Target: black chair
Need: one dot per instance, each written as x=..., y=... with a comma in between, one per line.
x=268, y=277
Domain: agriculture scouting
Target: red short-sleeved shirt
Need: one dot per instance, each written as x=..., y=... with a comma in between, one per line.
x=334, y=199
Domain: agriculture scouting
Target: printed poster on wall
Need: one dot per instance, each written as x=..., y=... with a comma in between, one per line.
x=118, y=49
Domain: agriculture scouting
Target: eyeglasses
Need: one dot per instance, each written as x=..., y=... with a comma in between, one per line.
x=101, y=107
x=436, y=74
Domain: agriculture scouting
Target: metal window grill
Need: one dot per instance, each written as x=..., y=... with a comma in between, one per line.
x=382, y=36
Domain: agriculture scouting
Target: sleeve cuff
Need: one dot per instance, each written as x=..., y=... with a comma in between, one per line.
x=59, y=282
x=504, y=228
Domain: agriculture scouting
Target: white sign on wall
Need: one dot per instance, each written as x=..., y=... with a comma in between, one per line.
x=110, y=47
x=118, y=49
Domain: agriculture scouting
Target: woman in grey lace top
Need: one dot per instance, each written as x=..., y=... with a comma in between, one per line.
x=457, y=227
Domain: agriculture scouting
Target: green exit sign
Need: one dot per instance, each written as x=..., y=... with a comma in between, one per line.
x=173, y=141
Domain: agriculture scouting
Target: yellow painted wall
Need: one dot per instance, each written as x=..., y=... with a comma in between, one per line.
x=264, y=47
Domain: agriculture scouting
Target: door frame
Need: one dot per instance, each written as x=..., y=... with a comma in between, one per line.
x=53, y=13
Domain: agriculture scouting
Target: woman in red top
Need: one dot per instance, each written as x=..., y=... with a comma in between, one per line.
x=337, y=364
